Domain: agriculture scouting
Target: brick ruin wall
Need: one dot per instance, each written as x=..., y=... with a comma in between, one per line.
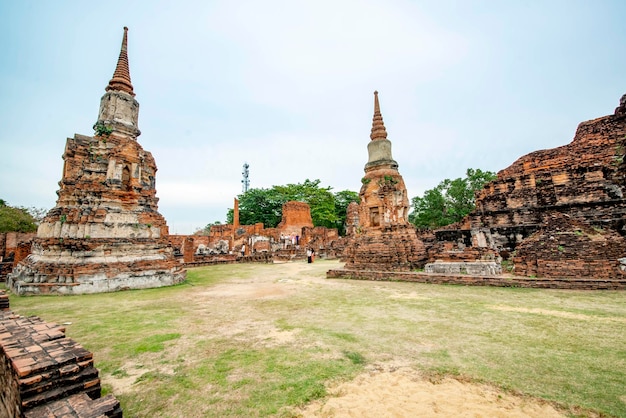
x=582, y=184
x=288, y=240
x=14, y=247
x=295, y=216
x=45, y=374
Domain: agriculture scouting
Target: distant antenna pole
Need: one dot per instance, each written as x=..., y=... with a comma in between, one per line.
x=246, y=180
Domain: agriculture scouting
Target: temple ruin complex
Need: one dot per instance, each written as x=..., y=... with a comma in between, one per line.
x=105, y=232
x=287, y=241
x=557, y=214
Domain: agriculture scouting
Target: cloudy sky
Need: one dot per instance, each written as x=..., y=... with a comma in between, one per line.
x=286, y=86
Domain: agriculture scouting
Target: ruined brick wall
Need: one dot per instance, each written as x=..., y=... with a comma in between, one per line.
x=470, y=280
x=396, y=248
x=42, y=373
x=319, y=238
x=584, y=179
x=15, y=246
x=295, y=216
x=567, y=248
x=293, y=233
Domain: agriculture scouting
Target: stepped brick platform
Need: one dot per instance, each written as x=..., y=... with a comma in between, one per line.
x=39, y=366
x=469, y=280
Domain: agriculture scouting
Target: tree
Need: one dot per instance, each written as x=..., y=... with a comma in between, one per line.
x=342, y=200
x=449, y=201
x=15, y=219
x=265, y=205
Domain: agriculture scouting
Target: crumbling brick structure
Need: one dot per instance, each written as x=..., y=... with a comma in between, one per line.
x=287, y=241
x=14, y=247
x=43, y=374
x=541, y=211
x=380, y=235
x=573, y=249
x=105, y=232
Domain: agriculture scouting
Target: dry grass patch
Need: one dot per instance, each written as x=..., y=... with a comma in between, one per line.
x=267, y=340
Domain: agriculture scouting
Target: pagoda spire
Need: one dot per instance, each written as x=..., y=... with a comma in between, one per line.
x=378, y=126
x=121, y=76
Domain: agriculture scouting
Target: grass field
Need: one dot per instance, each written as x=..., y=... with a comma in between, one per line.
x=261, y=339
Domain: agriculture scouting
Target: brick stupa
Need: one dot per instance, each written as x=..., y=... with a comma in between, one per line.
x=105, y=232
x=381, y=237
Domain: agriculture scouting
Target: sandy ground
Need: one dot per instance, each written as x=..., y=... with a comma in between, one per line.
x=385, y=392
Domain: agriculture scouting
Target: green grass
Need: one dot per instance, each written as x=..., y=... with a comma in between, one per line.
x=259, y=340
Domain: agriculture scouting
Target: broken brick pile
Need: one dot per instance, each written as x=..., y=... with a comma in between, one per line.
x=567, y=248
x=44, y=374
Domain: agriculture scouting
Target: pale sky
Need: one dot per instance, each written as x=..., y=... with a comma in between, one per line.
x=286, y=86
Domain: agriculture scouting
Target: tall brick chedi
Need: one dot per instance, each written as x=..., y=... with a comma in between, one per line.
x=105, y=232
x=381, y=237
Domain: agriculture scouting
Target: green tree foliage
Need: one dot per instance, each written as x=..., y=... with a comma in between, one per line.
x=265, y=205
x=16, y=219
x=342, y=200
x=449, y=201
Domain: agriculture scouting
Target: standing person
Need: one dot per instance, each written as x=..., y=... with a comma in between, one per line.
x=243, y=249
x=309, y=254
x=312, y=255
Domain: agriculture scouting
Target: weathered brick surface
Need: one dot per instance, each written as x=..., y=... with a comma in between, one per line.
x=295, y=216
x=566, y=248
x=584, y=179
x=14, y=247
x=40, y=369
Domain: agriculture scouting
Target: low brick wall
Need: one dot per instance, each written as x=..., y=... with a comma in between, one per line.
x=469, y=280
x=262, y=257
x=44, y=374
